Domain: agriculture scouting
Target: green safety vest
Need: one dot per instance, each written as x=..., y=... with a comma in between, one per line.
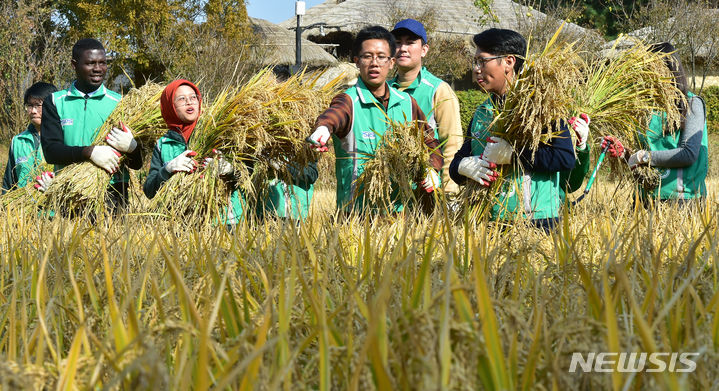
x=27, y=155
x=172, y=145
x=536, y=195
x=81, y=118
x=369, y=123
x=286, y=200
x=676, y=183
x=423, y=90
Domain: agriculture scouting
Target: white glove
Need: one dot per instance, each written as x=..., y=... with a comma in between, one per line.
x=122, y=140
x=478, y=170
x=497, y=151
x=106, y=158
x=639, y=157
x=581, y=129
x=44, y=180
x=223, y=166
x=431, y=180
x=182, y=163
x=319, y=139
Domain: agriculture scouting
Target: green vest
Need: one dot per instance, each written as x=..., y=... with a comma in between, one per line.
x=170, y=148
x=27, y=155
x=536, y=195
x=423, y=89
x=286, y=200
x=369, y=123
x=677, y=183
x=81, y=118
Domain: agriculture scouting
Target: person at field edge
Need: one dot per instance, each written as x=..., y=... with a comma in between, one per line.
x=357, y=118
x=181, y=104
x=289, y=199
x=434, y=96
x=72, y=117
x=25, y=155
x=534, y=186
x=681, y=155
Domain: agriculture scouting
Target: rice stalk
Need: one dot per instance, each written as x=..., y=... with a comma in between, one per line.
x=400, y=160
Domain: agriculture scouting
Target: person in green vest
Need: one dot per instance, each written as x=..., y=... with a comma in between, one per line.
x=534, y=187
x=289, y=200
x=357, y=118
x=180, y=104
x=681, y=155
x=435, y=97
x=72, y=117
x=25, y=155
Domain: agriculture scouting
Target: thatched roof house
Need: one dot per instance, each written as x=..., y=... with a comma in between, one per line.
x=454, y=17
x=278, y=46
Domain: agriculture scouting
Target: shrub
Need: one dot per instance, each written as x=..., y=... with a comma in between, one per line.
x=468, y=102
x=711, y=97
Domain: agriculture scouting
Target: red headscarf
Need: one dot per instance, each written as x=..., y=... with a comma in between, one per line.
x=167, y=106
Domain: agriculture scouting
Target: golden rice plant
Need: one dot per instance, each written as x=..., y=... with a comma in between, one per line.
x=27, y=196
x=82, y=187
x=400, y=160
x=622, y=90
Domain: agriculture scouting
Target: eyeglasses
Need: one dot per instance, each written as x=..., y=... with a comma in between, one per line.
x=480, y=62
x=186, y=100
x=31, y=107
x=368, y=58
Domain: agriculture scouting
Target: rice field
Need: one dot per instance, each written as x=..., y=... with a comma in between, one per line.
x=396, y=302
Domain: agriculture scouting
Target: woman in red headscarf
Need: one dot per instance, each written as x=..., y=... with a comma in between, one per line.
x=180, y=104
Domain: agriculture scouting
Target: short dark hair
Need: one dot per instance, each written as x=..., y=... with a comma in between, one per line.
x=85, y=44
x=374, y=32
x=39, y=90
x=500, y=42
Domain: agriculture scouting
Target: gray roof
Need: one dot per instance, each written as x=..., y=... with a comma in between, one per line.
x=455, y=17
x=674, y=30
x=279, y=46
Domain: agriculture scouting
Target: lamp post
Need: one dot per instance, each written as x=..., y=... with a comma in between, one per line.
x=299, y=11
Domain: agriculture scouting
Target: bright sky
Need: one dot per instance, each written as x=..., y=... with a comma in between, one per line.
x=275, y=11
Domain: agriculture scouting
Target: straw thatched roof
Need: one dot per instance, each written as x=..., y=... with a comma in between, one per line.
x=675, y=30
x=278, y=46
x=454, y=17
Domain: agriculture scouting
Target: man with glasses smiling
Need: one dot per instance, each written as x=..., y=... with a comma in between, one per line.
x=357, y=118
x=71, y=119
x=534, y=185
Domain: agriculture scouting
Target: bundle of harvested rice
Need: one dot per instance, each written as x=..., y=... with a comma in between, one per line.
x=624, y=88
x=28, y=195
x=540, y=96
x=400, y=160
x=82, y=187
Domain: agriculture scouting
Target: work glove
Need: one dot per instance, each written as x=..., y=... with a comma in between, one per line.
x=223, y=166
x=581, y=130
x=182, y=163
x=431, y=180
x=478, y=170
x=319, y=139
x=616, y=149
x=44, y=180
x=639, y=157
x=122, y=140
x=106, y=158
x=497, y=151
